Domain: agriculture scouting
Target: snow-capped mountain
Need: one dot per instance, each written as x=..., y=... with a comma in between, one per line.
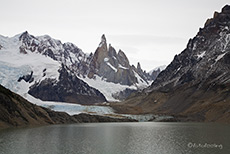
x=197, y=82
x=23, y=69
x=51, y=70
x=111, y=73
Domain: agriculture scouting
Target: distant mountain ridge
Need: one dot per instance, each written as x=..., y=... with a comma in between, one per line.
x=37, y=66
x=156, y=71
x=83, y=64
x=105, y=66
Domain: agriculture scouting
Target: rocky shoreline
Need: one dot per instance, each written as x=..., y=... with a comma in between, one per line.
x=124, y=109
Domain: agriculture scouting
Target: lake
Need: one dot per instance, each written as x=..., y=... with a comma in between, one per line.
x=118, y=138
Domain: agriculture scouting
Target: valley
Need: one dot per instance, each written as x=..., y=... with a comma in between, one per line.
x=61, y=77
x=115, y=77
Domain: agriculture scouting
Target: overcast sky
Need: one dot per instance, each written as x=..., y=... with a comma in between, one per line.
x=148, y=31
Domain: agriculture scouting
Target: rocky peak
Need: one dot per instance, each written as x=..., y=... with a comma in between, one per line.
x=226, y=9
x=139, y=67
x=204, y=57
x=24, y=35
x=103, y=39
x=196, y=83
x=123, y=60
x=29, y=42
x=67, y=53
x=26, y=38
x=219, y=19
x=112, y=66
x=112, y=51
x=103, y=43
x=102, y=50
x=105, y=62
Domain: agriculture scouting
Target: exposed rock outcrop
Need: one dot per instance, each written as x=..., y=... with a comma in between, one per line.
x=27, y=78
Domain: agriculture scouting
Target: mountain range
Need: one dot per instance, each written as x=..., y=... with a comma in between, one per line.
x=51, y=70
x=196, y=84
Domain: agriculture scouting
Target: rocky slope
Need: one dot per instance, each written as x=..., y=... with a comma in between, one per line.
x=15, y=111
x=196, y=84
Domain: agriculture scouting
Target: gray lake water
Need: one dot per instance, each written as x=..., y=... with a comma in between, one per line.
x=118, y=138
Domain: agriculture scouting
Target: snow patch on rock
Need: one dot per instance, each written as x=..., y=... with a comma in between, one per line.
x=220, y=56
x=201, y=55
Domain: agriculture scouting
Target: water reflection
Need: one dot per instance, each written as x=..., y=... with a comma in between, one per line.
x=117, y=138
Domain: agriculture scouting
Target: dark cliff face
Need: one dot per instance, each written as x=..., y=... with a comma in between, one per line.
x=197, y=82
x=68, y=88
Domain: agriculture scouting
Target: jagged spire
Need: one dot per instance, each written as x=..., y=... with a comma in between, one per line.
x=219, y=17
x=103, y=39
x=26, y=33
x=226, y=9
x=138, y=65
